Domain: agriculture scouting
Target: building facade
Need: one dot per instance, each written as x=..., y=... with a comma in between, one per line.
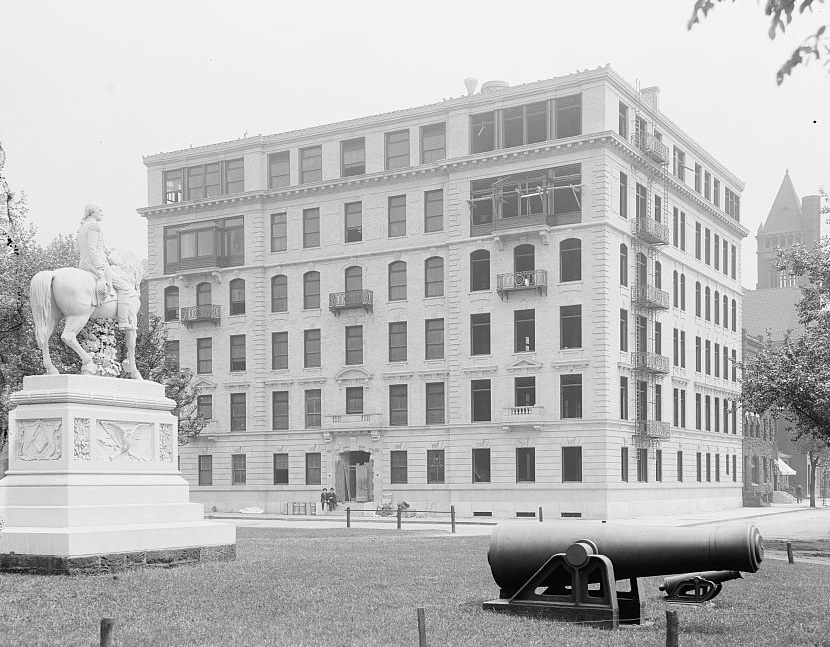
x=527, y=296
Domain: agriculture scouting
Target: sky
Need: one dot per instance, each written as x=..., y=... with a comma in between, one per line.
x=88, y=88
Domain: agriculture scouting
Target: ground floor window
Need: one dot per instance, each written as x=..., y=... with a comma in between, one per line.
x=435, y=465
x=624, y=463
x=642, y=465
x=239, y=470
x=206, y=470
x=481, y=465
x=312, y=468
x=525, y=464
x=571, y=464
x=398, y=461
x=280, y=469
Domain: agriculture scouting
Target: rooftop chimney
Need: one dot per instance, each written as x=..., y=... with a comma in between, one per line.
x=651, y=96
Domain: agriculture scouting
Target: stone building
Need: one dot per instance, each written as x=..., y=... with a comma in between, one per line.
x=526, y=296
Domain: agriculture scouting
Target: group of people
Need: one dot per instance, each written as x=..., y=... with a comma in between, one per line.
x=328, y=500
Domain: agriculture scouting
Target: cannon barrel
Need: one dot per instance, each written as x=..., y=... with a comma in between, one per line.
x=519, y=549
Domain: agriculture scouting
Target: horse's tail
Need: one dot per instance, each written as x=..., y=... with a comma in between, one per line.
x=40, y=297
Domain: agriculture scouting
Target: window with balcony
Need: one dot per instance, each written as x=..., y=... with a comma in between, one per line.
x=397, y=341
x=397, y=281
x=480, y=399
x=171, y=303
x=524, y=391
x=398, y=405
x=311, y=348
x=480, y=334
x=204, y=355
x=397, y=216
x=435, y=466
x=571, y=395
x=237, y=344
x=526, y=124
x=642, y=269
x=482, y=132
x=279, y=410
x=353, y=219
x=570, y=324
x=313, y=468
x=313, y=408
x=433, y=143
x=397, y=150
x=568, y=116
x=524, y=330
x=640, y=201
x=354, y=400
x=434, y=210
x=279, y=351
x=279, y=170
x=280, y=469
x=434, y=277
x=171, y=348
x=311, y=228
x=571, y=464
x=434, y=339
x=311, y=164
x=238, y=414
x=215, y=243
x=481, y=465
x=525, y=464
x=311, y=290
x=479, y=270
x=279, y=232
x=353, y=278
x=353, y=157
x=398, y=466
x=570, y=260
x=354, y=345
x=236, y=291
x=279, y=293
x=435, y=403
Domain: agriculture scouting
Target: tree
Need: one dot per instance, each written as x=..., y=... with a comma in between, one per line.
x=818, y=453
x=814, y=47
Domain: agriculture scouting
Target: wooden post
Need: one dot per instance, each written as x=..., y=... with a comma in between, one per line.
x=422, y=628
x=348, y=517
x=399, y=517
x=541, y=518
x=106, y=631
x=671, y=629
x=790, y=553
x=452, y=518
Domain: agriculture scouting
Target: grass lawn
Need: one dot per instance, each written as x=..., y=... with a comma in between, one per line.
x=812, y=548
x=361, y=587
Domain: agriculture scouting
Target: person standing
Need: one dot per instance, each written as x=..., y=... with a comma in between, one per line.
x=324, y=500
x=798, y=493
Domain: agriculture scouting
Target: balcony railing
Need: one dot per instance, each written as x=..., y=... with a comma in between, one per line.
x=523, y=415
x=651, y=362
x=350, y=299
x=649, y=296
x=194, y=314
x=649, y=429
x=654, y=148
x=515, y=281
x=651, y=231
x=354, y=420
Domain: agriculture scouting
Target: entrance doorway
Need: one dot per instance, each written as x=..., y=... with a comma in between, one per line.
x=354, y=477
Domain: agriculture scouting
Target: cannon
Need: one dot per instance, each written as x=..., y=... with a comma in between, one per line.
x=568, y=569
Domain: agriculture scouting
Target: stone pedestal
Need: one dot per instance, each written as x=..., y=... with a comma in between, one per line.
x=93, y=482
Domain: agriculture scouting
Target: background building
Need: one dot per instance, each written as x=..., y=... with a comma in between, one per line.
x=524, y=296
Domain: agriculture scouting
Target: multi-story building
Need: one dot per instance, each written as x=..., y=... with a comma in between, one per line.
x=526, y=296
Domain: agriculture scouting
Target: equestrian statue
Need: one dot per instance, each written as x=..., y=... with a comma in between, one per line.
x=105, y=285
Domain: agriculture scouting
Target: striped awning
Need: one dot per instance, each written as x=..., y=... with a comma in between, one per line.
x=784, y=469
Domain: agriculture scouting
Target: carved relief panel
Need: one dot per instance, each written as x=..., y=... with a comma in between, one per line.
x=39, y=440
x=123, y=441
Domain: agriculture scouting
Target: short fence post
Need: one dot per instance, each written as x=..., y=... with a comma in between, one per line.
x=540, y=514
x=790, y=553
x=452, y=518
x=671, y=629
x=399, y=517
x=106, y=631
x=348, y=517
x=422, y=628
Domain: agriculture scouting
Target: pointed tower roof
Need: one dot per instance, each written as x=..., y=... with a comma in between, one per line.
x=785, y=213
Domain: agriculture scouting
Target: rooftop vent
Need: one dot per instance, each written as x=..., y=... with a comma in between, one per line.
x=494, y=86
x=471, y=84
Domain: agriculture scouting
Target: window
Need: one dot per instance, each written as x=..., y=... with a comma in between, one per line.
x=676, y=407
x=658, y=208
x=658, y=275
x=398, y=405
x=734, y=314
x=683, y=292
x=675, y=228
x=480, y=399
x=311, y=348
x=697, y=240
x=641, y=269
x=311, y=228
x=623, y=195
x=524, y=258
x=734, y=262
x=205, y=469
x=624, y=464
x=434, y=210
x=679, y=164
x=708, y=467
x=716, y=252
x=570, y=324
x=734, y=364
x=658, y=465
x=235, y=176
x=524, y=391
x=698, y=177
x=698, y=352
x=707, y=359
x=658, y=402
x=173, y=186
x=311, y=164
x=353, y=157
x=481, y=465
x=707, y=413
x=570, y=260
x=435, y=403
x=707, y=246
x=717, y=359
x=640, y=201
x=641, y=400
x=279, y=293
x=397, y=150
x=675, y=347
x=279, y=170
x=397, y=461
x=396, y=216
x=571, y=464
x=435, y=466
x=725, y=265
x=525, y=464
x=731, y=203
x=433, y=143
x=238, y=416
x=354, y=399
x=658, y=338
x=205, y=244
x=353, y=279
x=203, y=181
x=480, y=334
x=623, y=398
x=236, y=289
x=203, y=294
x=171, y=303
x=482, y=132
x=568, y=116
x=279, y=410
x=725, y=363
x=313, y=408
x=204, y=406
x=354, y=345
x=479, y=270
x=642, y=465
x=237, y=343
x=311, y=290
x=707, y=303
x=434, y=339
x=280, y=469
x=353, y=221
x=204, y=355
x=524, y=327
x=397, y=341
x=313, y=468
x=623, y=265
x=682, y=232
x=675, y=289
x=717, y=467
x=623, y=121
x=567, y=192
x=682, y=349
x=434, y=277
x=571, y=395
x=171, y=348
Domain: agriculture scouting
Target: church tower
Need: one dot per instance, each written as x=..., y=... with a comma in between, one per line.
x=789, y=221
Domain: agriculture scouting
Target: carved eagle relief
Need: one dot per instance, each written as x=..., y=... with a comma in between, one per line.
x=128, y=440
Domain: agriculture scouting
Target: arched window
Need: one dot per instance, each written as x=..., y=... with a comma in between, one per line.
x=524, y=258
x=715, y=305
x=725, y=311
x=683, y=292
x=479, y=270
x=698, y=298
x=624, y=265
x=279, y=293
x=171, y=303
x=353, y=278
x=397, y=281
x=570, y=260
x=434, y=277
x=236, y=288
x=311, y=290
x=203, y=294
x=642, y=270
x=675, y=284
x=658, y=275
x=756, y=476
x=734, y=314
x=707, y=304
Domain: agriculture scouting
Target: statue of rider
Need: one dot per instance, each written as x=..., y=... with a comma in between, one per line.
x=93, y=259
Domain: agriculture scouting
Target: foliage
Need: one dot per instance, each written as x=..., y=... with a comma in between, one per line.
x=813, y=47
x=817, y=451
